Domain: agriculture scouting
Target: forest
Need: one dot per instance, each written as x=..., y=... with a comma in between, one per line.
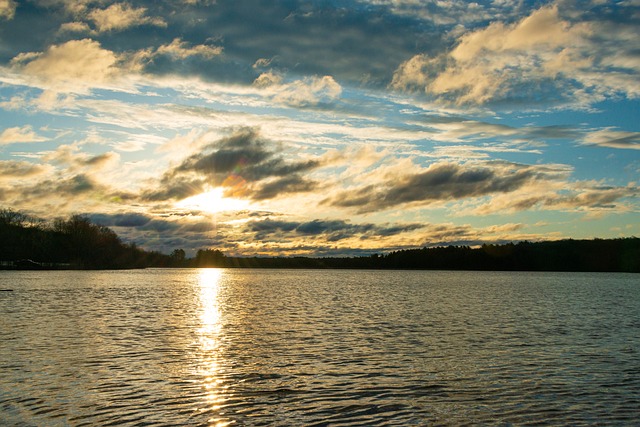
x=27, y=242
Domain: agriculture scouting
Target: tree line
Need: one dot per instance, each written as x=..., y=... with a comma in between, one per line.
x=597, y=255
x=28, y=242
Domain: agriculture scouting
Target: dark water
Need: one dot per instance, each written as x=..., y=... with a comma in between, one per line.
x=283, y=347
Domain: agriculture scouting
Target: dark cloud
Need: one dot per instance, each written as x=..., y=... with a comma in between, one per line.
x=172, y=187
x=351, y=41
x=289, y=184
x=245, y=154
x=120, y=220
x=245, y=164
x=76, y=185
x=305, y=38
x=99, y=160
x=241, y=150
x=440, y=182
x=330, y=230
x=198, y=227
x=158, y=233
x=160, y=225
x=73, y=186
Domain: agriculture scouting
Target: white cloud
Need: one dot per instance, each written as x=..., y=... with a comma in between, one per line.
x=542, y=29
x=75, y=27
x=306, y=92
x=539, y=57
x=7, y=9
x=180, y=50
x=120, y=16
x=74, y=66
x=268, y=79
x=19, y=135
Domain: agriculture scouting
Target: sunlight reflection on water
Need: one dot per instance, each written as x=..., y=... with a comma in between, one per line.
x=209, y=337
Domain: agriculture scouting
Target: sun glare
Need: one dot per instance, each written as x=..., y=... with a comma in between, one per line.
x=213, y=201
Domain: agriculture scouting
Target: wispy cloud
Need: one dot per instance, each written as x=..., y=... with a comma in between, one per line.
x=567, y=197
x=180, y=49
x=306, y=92
x=613, y=138
x=17, y=134
x=120, y=16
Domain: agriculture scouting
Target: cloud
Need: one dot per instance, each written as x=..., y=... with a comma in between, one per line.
x=70, y=6
x=120, y=16
x=75, y=27
x=329, y=230
x=52, y=192
x=179, y=57
x=541, y=58
x=73, y=186
x=129, y=219
x=263, y=62
x=449, y=12
x=351, y=44
x=285, y=185
x=75, y=160
x=19, y=135
x=268, y=79
x=244, y=164
x=7, y=9
x=613, y=139
x=173, y=187
x=442, y=181
x=300, y=93
x=283, y=37
x=74, y=66
x=12, y=169
x=180, y=49
x=562, y=196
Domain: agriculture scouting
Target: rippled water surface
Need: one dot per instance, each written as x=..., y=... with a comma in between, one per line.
x=288, y=347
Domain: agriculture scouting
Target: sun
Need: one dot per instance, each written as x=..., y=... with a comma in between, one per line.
x=213, y=201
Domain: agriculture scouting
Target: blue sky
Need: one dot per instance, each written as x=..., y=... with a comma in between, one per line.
x=323, y=127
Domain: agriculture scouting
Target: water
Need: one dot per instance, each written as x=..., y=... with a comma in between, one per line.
x=287, y=347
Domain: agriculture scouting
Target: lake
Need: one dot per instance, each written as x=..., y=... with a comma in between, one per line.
x=316, y=347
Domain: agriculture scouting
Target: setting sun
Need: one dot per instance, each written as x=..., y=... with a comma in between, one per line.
x=212, y=201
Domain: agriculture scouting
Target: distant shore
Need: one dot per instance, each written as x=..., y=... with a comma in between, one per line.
x=77, y=244
x=598, y=255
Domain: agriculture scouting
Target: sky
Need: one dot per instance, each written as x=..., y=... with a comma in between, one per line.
x=321, y=128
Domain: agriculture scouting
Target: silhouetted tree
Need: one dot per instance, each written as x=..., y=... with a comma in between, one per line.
x=209, y=258
x=178, y=258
